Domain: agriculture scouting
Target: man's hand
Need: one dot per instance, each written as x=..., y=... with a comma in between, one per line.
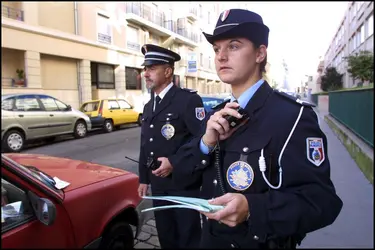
x=235, y=211
x=165, y=168
x=142, y=189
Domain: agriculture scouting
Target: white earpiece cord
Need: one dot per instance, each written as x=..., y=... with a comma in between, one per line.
x=262, y=161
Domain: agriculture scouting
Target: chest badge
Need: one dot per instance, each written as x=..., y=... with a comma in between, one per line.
x=240, y=175
x=167, y=131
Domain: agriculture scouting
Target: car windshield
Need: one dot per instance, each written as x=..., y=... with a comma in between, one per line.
x=35, y=172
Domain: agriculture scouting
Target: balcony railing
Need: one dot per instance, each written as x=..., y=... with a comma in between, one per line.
x=171, y=25
x=193, y=10
x=12, y=13
x=193, y=13
x=158, y=18
x=188, y=34
x=145, y=12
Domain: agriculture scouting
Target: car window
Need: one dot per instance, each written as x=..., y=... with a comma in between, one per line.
x=112, y=104
x=210, y=102
x=15, y=206
x=7, y=104
x=49, y=103
x=124, y=104
x=89, y=107
x=27, y=103
x=61, y=105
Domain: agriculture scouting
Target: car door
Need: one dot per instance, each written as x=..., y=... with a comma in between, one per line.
x=20, y=227
x=61, y=120
x=31, y=115
x=115, y=112
x=128, y=114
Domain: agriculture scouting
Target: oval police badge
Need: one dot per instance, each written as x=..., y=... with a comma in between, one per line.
x=240, y=175
x=167, y=131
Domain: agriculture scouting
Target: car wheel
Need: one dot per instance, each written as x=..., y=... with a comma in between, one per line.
x=13, y=141
x=108, y=126
x=139, y=121
x=119, y=236
x=80, y=129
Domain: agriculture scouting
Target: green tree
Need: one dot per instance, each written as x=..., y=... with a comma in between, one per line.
x=361, y=66
x=331, y=80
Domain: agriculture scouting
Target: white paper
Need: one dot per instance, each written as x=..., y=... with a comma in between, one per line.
x=60, y=184
x=10, y=210
x=186, y=202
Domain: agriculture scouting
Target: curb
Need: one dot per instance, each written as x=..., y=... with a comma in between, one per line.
x=361, y=153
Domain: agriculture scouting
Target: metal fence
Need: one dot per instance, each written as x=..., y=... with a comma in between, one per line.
x=355, y=109
x=158, y=18
x=145, y=12
x=12, y=13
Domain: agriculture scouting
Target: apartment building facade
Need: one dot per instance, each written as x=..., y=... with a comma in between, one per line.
x=355, y=33
x=78, y=51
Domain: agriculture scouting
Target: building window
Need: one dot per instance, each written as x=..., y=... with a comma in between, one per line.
x=104, y=29
x=102, y=76
x=362, y=34
x=201, y=59
x=370, y=27
x=133, y=39
x=133, y=78
x=208, y=18
x=354, y=39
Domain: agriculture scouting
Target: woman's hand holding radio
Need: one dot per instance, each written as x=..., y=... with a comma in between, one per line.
x=218, y=127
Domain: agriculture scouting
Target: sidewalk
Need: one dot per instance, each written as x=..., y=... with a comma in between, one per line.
x=354, y=227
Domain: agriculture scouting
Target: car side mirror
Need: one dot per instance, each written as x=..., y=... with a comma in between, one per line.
x=68, y=108
x=44, y=209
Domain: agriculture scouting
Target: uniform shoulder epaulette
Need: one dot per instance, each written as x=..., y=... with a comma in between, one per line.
x=190, y=90
x=220, y=105
x=294, y=99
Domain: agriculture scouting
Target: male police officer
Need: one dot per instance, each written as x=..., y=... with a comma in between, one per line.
x=170, y=119
x=266, y=163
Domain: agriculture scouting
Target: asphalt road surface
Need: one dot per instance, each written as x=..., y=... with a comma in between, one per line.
x=352, y=229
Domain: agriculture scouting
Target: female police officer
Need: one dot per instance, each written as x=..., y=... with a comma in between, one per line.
x=270, y=169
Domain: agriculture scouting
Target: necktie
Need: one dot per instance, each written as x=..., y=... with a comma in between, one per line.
x=157, y=101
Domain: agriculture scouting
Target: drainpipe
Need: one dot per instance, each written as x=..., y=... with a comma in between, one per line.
x=77, y=63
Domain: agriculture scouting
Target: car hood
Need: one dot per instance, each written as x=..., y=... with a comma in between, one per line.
x=77, y=173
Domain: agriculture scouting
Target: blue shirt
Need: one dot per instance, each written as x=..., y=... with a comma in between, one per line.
x=242, y=101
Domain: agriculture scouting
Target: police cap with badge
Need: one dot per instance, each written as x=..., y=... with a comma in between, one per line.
x=158, y=55
x=240, y=23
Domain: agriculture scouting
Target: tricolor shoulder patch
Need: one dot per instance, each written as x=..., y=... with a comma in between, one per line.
x=315, y=150
x=200, y=114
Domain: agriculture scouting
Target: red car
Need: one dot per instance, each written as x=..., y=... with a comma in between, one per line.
x=94, y=211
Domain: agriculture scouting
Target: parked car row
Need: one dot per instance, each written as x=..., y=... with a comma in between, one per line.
x=26, y=117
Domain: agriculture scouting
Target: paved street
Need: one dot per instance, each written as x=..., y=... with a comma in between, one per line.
x=352, y=229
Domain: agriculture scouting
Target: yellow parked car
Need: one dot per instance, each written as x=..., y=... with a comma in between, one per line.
x=110, y=113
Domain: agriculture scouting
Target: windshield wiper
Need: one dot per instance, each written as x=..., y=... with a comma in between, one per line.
x=45, y=176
